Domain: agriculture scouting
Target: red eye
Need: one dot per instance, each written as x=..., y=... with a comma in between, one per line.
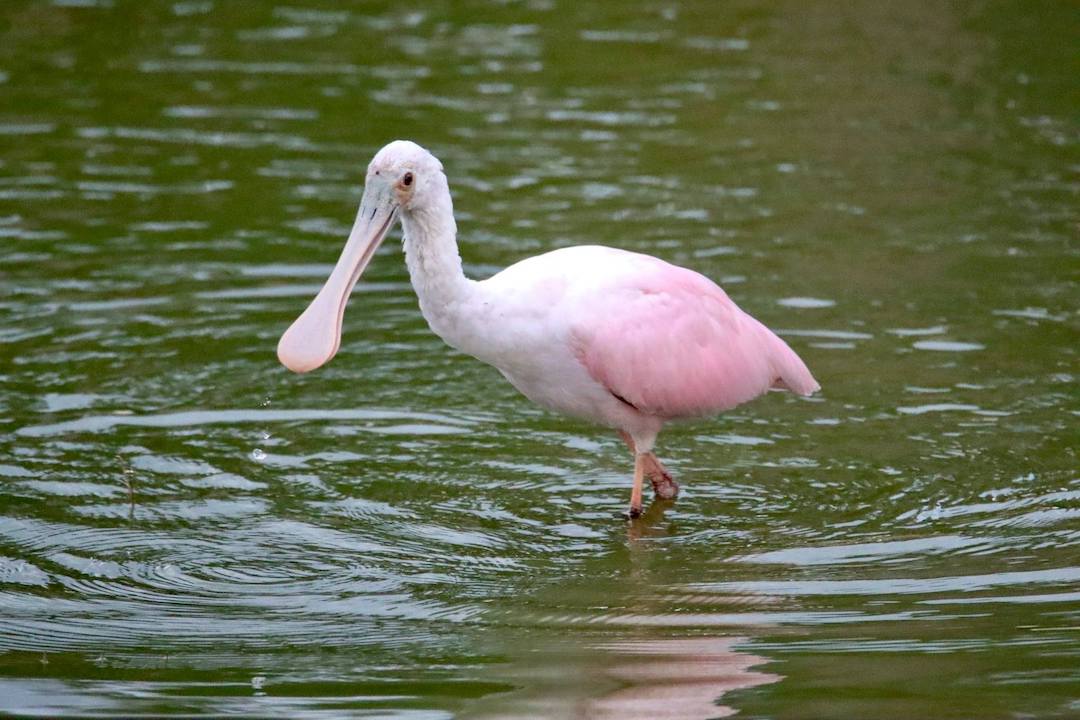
x=407, y=180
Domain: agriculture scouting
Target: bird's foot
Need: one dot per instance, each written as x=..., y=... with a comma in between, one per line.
x=632, y=514
x=665, y=487
x=663, y=484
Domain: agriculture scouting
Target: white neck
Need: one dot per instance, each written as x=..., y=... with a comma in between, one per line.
x=431, y=254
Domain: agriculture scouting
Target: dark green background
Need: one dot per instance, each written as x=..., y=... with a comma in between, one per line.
x=893, y=187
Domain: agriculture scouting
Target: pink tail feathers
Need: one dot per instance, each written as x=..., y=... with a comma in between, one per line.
x=794, y=375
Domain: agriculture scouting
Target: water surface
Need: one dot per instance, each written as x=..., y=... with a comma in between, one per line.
x=186, y=528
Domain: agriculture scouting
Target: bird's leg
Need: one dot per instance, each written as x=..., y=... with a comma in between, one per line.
x=662, y=483
x=635, y=493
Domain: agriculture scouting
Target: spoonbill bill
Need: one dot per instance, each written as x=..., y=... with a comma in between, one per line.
x=619, y=338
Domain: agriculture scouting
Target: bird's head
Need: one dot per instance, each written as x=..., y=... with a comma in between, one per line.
x=402, y=178
x=404, y=175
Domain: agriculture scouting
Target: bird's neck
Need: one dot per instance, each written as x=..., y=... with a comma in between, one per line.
x=431, y=254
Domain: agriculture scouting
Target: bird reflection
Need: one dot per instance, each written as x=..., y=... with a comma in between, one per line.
x=677, y=679
x=647, y=679
x=647, y=525
x=620, y=651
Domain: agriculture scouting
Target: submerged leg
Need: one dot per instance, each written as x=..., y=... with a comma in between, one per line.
x=663, y=484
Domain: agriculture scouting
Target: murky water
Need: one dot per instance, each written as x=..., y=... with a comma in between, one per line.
x=185, y=527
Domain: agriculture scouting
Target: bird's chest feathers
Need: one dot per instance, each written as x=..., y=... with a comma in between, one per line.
x=511, y=322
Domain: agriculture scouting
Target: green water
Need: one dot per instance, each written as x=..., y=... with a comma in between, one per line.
x=187, y=528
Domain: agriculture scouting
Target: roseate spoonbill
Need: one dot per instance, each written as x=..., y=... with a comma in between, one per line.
x=619, y=338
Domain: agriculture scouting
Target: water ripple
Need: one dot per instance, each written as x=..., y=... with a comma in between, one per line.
x=194, y=418
x=187, y=527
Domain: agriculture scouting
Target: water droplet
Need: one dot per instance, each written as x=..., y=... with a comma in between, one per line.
x=258, y=682
x=258, y=455
x=266, y=402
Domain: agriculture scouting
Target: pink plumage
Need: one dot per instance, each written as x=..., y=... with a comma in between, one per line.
x=672, y=344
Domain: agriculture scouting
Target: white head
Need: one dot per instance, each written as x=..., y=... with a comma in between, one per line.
x=402, y=178
x=414, y=175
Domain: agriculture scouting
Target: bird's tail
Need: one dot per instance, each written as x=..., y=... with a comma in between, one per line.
x=792, y=371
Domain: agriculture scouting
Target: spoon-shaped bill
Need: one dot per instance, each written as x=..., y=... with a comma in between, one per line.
x=315, y=336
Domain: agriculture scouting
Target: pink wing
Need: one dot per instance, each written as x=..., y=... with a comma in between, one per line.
x=671, y=343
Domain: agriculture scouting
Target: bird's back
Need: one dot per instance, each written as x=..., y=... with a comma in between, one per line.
x=663, y=338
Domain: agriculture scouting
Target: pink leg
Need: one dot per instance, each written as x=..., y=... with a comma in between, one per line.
x=663, y=484
x=635, y=493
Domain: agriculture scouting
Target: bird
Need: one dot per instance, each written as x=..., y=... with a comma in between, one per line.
x=622, y=339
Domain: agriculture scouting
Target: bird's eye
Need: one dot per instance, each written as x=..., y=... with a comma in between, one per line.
x=407, y=180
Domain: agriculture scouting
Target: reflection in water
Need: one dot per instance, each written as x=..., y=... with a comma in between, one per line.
x=676, y=679
x=648, y=524
x=650, y=678
x=635, y=673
